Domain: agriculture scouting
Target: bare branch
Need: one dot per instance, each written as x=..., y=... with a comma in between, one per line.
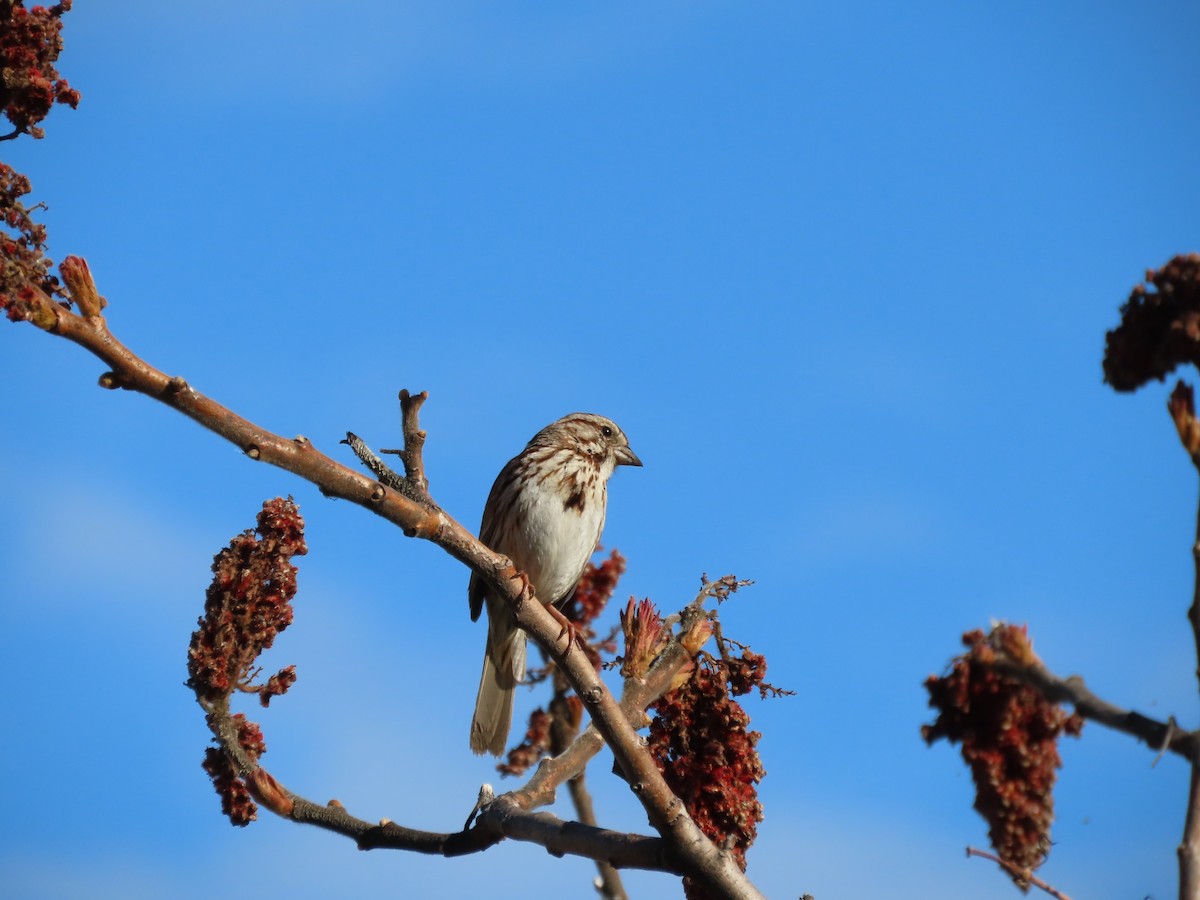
x=703, y=861
x=413, y=482
x=498, y=820
x=1018, y=872
x=387, y=476
x=638, y=693
x=1156, y=735
x=564, y=729
x=608, y=882
x=1189, y=847
x=414, y=439
x=1182, y=408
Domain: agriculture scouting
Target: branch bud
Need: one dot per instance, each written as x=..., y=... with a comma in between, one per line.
x=269, y=792
x=1182, y=407
x=78, y=278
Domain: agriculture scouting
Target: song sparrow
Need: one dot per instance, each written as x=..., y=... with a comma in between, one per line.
x=545, y=513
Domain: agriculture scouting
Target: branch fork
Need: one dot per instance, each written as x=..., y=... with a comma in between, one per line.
x=406, y=502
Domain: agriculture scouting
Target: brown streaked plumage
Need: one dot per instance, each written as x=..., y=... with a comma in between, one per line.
x=546, y=513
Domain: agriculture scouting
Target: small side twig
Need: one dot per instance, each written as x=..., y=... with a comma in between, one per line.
x=414, y=440
x=381, y=470
x=413, y=484
x=1024, y=874
x=1172, y=725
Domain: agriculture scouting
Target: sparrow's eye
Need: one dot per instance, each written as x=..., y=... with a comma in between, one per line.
x=606, y=431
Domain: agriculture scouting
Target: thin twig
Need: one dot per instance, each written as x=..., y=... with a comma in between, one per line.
x=1172, y=725
x=1019, y=872
x=414, y=439
x=386, y=475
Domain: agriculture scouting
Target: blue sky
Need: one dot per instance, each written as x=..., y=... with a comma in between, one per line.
x=841, y=272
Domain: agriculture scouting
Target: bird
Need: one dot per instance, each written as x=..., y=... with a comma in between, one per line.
x=545, y=512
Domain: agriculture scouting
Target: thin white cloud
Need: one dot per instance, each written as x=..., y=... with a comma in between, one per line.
x=112, y=538
x=319, y=54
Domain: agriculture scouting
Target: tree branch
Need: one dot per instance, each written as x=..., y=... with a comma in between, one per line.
x=1025, y=874
x=500, y=819
x=564, y=729
x=1189, y=846
x=1156, y=735
x=637, y=694
x=697, y=855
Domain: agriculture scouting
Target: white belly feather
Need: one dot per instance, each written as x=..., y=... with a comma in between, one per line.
x=558, y=542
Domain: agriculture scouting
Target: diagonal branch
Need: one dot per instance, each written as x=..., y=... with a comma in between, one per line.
x=638, y=693
x=1156, y=735
x=703, y=861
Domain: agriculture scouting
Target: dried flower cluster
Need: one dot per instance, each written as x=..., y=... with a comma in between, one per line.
x=535, y=745
x=236, y=800
x=700, y=742
x=1009, y=736
x=247, y=605
x=1160, y=326
x=30, y=42
x=592, y=594
x=25, y=275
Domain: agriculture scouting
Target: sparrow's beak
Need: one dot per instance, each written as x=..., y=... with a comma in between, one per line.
x=626, y=457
